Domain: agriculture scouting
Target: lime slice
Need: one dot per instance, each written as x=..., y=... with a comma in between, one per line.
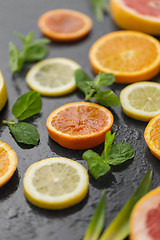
x=55, y=183
x=141, y=100
x=53, y=77
x=3, y=92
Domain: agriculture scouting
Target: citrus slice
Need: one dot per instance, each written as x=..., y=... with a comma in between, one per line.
x=145, y=217
x=132, y=56
x=55, y=183
x=8, y=163
x=79, y=125
x=3, y=92
x=141, y=100
x=139, y=15
x=151, y=136
x=64, y=25
x=53, y=77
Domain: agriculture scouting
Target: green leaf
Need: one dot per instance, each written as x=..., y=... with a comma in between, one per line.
x=24, y=133
x=107, y=98
x=104, y=79
x=97, y=222
x=15, y=60
x=120, y=152
x=83, y=81
x=100, y=7
x=96, y=164
x=29, y=37
x=34, y=52
x=27, y=105
x=109, y=138
x=119, y=228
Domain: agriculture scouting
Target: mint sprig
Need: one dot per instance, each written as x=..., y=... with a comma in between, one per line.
x=26, y=106
x=32, y=51
x=113, y=154
x=92, y=88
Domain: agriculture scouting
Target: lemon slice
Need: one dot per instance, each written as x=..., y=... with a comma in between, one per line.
x=3, y=92
x=53, y=77
x=55, y=183
x=141, y=100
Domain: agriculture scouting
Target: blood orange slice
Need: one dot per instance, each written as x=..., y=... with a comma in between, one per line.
x=64, y=25
x=145, y=217
x=139, y=15
x=79, y=125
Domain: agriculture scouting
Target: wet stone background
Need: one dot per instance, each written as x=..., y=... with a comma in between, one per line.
x=18, y=218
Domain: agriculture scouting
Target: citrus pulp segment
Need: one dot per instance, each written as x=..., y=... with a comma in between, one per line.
x=64, y=25
x=3, y=92
x=131, y=56
x=145, y=217
x=141, y=15
x=53, y=77
x=141, y=100
x=55, y=183
x=8, y=163
x=79, y=125
x=151, y=135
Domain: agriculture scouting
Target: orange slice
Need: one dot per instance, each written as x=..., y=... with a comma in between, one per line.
x=79, y=125
x=139, y=15
x=151, y=135
x=8, y=163
x=64, y=25
x=145, y=217
x=132, y=56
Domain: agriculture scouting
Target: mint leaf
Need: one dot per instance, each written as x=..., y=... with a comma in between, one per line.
x=27, y=105
x=109, y=138
x=119, y=228
x=24, y=133
x=29, y=37
x=33, y=52
x=96, y=164
x=97, y=223
x=120, y=152
x=107, y=98
x=104, y=79
x=83, y=81
x=15, y=60
x=19, y=35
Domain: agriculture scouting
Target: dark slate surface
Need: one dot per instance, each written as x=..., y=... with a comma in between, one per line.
x=18, y=218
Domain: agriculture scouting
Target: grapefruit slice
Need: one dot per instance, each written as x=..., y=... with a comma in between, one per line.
x=79, y=125
x=64, y=25
x=145, y=217
x=139, y=15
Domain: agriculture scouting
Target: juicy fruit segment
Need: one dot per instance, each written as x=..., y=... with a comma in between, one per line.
x=131, y=56
x=3, y=92
x=79, y=125
x=55, y=183
x=147, y=210
x=141, y=100
x=8, y=163
x=64, y=25
x=53, y=77
x=151, y=136
x=141, y=15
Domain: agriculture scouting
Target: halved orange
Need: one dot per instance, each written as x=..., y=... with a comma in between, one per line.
x=139, y=15
x=151, y=135
x=8, y=163
x=64, y=25
x=79, y=125
x=131, y=56
x=145, y=217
